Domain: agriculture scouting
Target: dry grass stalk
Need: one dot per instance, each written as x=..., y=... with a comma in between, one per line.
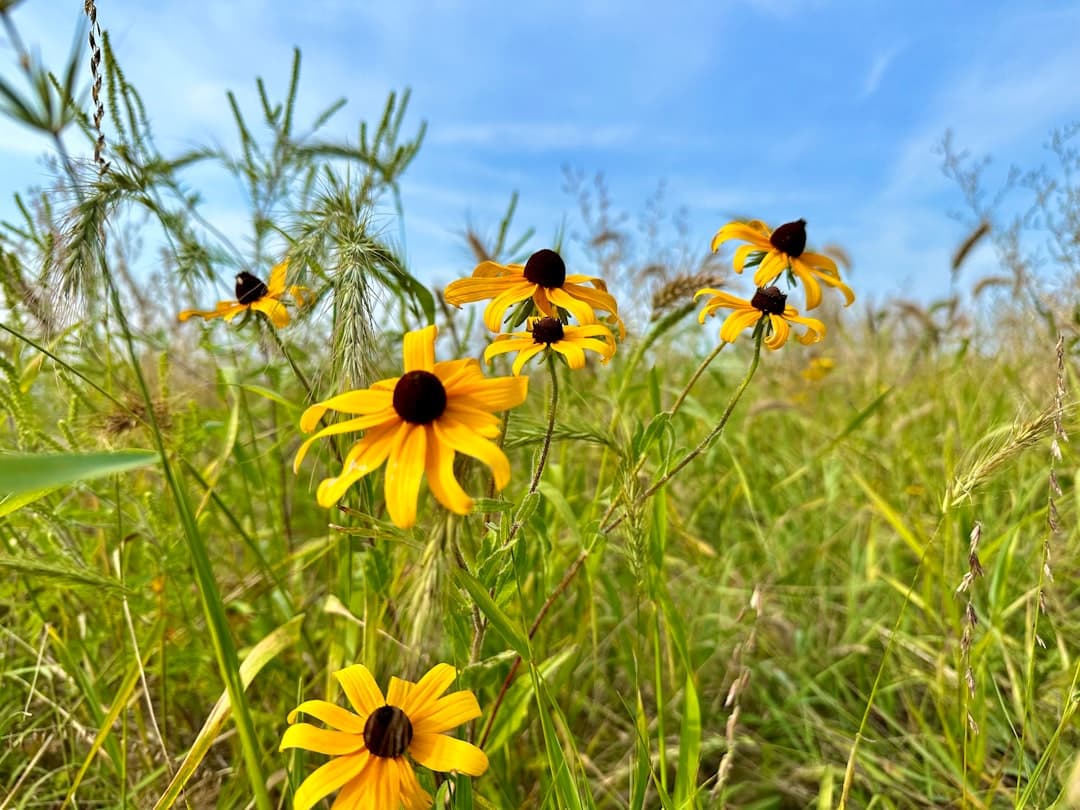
x=681, y=288
x=973, y=239
x=735, y=691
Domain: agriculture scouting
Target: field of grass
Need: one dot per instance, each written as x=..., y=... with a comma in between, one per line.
x=861, y=589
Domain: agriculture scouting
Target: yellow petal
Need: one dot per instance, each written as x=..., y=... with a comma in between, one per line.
x=494, y=312
x=420, y=349
x=302, y=295
x=540, y=299
x=467, y=290
x=224, y=309
x=581, y=310
x=738, y=321
x=331, y=714
x=483, y=423
x=360, y=688
x=445, y=713
x=442, y=753
x=362, y=401
x=821, y=262
x=404, y=469
x=434, y=682
x=321, y=740
x=439, y=466
x=329, y=777
x=272, y=309
x=747, y=232
x=780, y=331
x=527, y=354
x=575, y=355
x=385, y=416
x=507, y=343
x=742, y=253
x=386, y=784
x=466, y=440
x=367, y=455
x=413, y=797
x=276, y=284
x=398, y=692
x=770, y=268
x=495, y=270
x=449, y=371
x=489, y=393
x=597, y=299
x=809, y=282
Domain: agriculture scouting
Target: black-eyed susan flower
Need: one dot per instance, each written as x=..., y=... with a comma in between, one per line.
x=416, y=423
x=774, y=252
x=768, y=303
x=551, y=333
x=543, y=278
x=370, y=743
x=253, y=294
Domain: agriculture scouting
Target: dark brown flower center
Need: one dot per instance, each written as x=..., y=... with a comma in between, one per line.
x=546, y=268
x=790, y=238
x=770, y=300
x=249, y=288
x=387, y=732
x=548, y=330
x=419, y=397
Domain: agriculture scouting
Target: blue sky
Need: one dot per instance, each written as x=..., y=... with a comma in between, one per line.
x=776, y=109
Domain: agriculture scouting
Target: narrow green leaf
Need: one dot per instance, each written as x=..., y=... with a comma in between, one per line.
x=502, y=623
x=29, y=477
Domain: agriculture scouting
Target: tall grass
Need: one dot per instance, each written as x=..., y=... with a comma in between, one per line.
x=856, y=589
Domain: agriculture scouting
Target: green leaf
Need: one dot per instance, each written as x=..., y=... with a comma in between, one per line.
x=502, y=623
x=25, y=478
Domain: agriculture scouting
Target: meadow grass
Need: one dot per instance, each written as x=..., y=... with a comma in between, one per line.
x=861, y=593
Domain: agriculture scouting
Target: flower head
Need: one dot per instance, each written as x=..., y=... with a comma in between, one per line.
x=770, y=304
x=783, y=249
x=551, y=333
x=818, y=368
x=369, y=744
x=416, y=423
x=544, y=279
x=253, y=294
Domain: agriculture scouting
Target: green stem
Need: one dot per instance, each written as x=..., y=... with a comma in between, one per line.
x=706, y=442
x=545, y=448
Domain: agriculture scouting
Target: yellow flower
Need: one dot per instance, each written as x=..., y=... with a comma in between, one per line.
x=770, y=304
x=252, y=293
x=783, y=249
x=369, y=745
x=551, y=333
x=415, y=423
x=818, y=368
x=543, y=278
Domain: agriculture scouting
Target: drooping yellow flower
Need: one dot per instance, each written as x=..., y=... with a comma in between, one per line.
x=369, y=744
x=415, y=423
x=769, y=303
x=551, y=333
x=252, y=293
x=776, y=251
x=543, y=278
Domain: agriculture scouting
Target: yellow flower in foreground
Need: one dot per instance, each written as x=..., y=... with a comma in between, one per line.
x=551, y=333
x=415, y=423
x=780, y=250
x=768, y=303
x=369, y=744
x=543, y=278
x=252, y=293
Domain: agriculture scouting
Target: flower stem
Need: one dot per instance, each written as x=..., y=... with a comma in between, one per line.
x=694, y=377
x=705, y=443
x=545, y=448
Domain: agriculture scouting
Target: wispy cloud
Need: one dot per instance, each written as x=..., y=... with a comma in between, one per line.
x=878, y=68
